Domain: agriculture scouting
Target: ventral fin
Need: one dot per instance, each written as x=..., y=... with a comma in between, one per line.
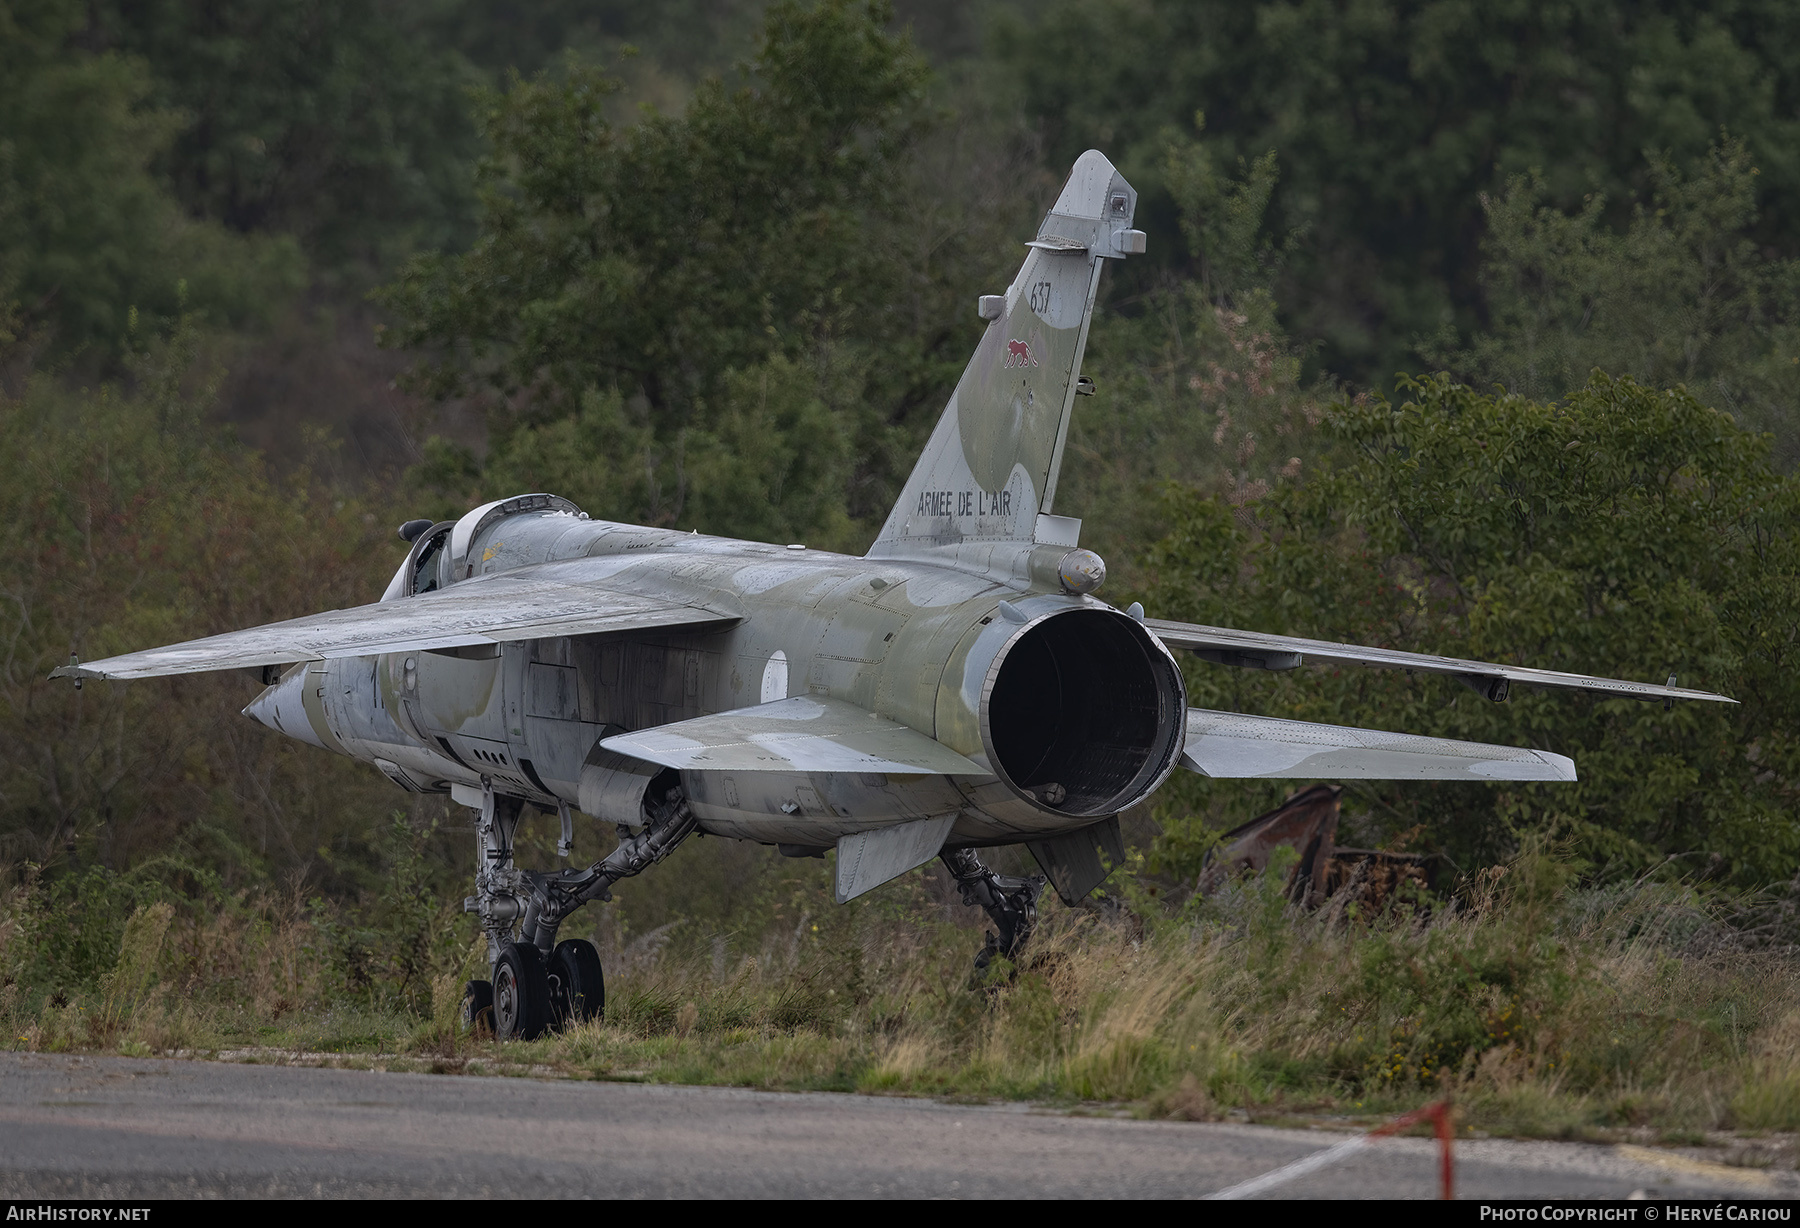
x=870, y=858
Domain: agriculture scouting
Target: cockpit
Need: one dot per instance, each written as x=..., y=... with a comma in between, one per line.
x=427, y=562
x=453, y=550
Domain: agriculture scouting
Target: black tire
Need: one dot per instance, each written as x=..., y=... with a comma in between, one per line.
x=521, y=993
x=478, y=1008
x=577, y=983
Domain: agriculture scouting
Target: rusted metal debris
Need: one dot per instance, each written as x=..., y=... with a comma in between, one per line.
x=1307, y=823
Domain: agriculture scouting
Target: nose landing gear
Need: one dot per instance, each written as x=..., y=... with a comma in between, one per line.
x=539, y=983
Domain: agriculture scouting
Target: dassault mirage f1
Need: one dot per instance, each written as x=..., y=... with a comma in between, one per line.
x=956, y=688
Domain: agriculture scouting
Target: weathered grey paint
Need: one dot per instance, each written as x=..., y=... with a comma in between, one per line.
x=1235, y=746
x=911, y=642
x=868, y=859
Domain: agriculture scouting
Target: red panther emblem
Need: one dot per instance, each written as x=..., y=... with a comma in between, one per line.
x=1018, y=354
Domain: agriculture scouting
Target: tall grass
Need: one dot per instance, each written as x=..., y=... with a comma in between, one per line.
x=1543, y=1007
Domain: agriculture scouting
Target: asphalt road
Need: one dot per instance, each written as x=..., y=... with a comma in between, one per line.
x=121, y=1128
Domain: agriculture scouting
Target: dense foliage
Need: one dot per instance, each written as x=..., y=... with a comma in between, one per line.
x=87, y=231
x=720, y=319
x=1623, y=532
x=1392, y=119
x=342, y=124
x=136, y=523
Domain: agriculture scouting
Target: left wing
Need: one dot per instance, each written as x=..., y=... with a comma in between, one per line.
x=1231, y=744
x=472, y=612
x=803, y=734
x=1259, y=651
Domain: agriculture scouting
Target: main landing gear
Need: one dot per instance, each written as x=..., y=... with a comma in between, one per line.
x=1010, y=903
x=521, y=992
x=539, y=983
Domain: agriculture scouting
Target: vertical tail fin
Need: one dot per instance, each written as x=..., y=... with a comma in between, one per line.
x=990, y=468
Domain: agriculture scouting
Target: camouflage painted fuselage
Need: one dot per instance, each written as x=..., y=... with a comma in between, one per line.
x=915, y=642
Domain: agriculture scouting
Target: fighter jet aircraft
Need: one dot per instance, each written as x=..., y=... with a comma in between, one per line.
x=958, y=687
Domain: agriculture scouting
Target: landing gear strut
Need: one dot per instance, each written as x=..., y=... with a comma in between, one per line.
x=1010, y=903
x=540, y=983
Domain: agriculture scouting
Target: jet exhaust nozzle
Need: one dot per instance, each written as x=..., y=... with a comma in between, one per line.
x=1084, y=712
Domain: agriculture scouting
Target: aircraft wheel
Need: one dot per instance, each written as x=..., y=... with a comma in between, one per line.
x=521, y=993
x=577, y=984
x=478, y=1008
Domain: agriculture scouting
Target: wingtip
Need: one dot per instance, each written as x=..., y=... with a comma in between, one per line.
x=1668, y=694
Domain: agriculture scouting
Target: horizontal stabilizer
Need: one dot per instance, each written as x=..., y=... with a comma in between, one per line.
x=1259, y=651
x=474, y=612
x=870, y=858
x=1233, y=745
x=802, y=734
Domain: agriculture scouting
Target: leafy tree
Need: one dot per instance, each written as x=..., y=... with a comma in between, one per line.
x=773, y=465
x=1623, y=532
x=1685, y=294
x=1392, y=119
x=343, y=124
x=86, y=231
x=689, y=38
x=135, y=524
x=1196, y=381
x=622, y=276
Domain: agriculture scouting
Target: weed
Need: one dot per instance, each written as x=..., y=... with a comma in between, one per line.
x=1543, y=1007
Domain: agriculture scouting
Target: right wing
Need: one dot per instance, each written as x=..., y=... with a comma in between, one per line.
x=1233, y=745
x=1258, y=650
x=472, y=612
